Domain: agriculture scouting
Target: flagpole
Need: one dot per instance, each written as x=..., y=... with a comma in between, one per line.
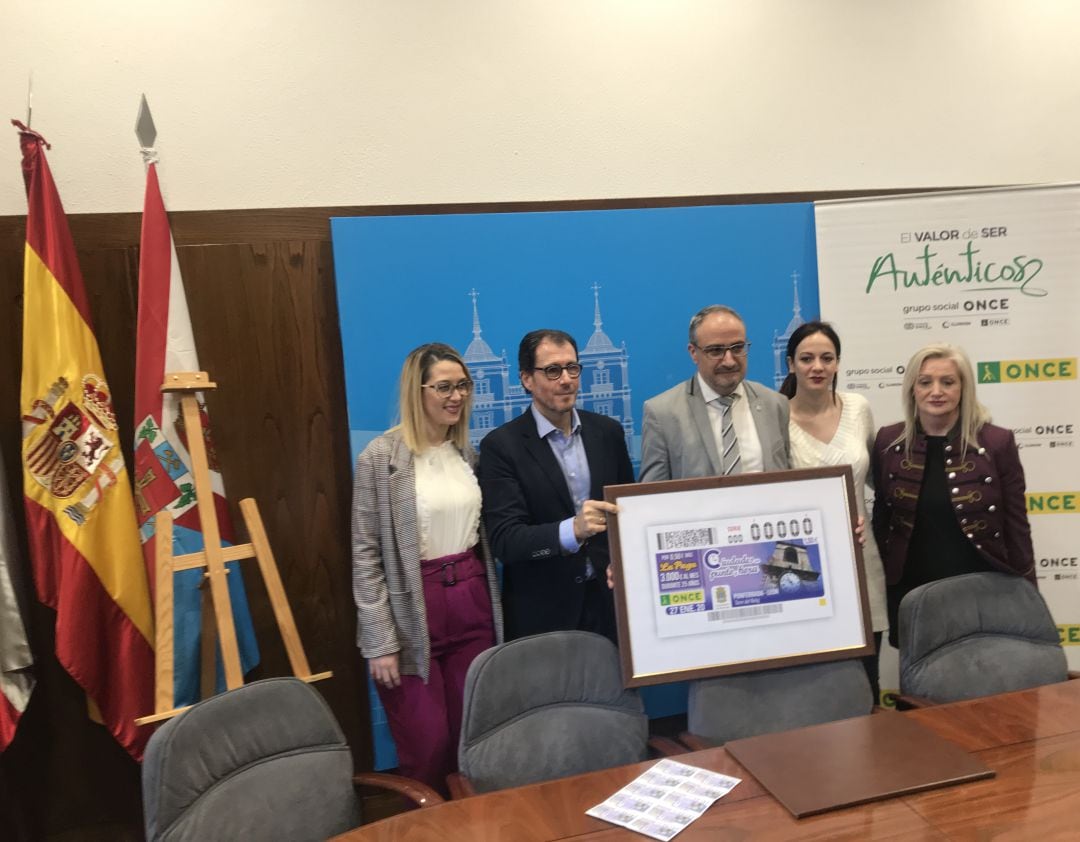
x=168, y=481
x=82, y=533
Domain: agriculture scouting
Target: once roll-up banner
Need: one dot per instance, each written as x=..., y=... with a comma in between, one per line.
x=998, y=273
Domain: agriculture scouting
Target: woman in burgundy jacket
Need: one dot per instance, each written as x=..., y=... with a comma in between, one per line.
x=948, y=484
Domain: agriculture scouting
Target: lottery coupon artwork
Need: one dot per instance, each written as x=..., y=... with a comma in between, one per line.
x=739, y=572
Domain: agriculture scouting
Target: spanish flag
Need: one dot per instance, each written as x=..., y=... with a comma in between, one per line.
x=80, y=517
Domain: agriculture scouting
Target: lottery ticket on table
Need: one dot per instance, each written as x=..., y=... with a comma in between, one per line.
x=664, y=799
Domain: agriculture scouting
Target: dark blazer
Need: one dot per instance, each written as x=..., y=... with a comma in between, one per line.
x=986, y=487
x=525, y=498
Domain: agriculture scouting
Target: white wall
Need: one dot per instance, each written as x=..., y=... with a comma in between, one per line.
x=268, y=103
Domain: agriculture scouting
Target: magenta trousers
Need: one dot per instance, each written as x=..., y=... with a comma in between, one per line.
x=425, y=719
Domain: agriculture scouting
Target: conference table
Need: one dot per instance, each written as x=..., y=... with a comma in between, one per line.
x=1030, y=738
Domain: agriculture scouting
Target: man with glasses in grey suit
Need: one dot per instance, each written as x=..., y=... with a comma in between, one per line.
x=716, y=423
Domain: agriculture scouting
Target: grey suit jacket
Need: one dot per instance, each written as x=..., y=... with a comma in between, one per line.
x=387, y=587
x=677, y=440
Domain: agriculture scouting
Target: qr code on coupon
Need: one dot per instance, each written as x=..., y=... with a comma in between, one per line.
x=681, y=539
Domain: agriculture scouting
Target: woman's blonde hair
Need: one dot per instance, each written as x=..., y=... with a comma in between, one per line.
x=972, y=413
x=414, y=373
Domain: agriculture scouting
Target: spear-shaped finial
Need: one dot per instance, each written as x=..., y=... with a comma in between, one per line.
x=146, y=131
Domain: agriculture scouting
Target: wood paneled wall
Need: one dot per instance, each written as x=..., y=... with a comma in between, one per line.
x=261, y=291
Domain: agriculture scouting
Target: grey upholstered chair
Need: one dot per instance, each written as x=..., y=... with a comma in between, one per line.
x=976, y=635
x=735, y=706
x=545, y=707
x=266, y=761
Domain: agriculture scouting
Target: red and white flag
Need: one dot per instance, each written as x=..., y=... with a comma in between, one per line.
x=163, y=478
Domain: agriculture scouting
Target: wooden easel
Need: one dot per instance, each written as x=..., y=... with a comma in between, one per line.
x=213, y=557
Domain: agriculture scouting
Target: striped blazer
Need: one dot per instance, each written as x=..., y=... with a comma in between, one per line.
x=387, y=588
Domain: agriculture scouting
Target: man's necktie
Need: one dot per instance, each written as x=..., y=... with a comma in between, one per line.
x=729, y=439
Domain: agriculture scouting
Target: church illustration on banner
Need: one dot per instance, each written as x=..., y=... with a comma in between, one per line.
x=780, y=340
x=499, y=396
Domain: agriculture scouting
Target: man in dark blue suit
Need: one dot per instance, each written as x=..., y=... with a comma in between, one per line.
x=543, y=476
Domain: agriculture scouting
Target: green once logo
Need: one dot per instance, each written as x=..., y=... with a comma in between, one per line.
x=990, y=372
x=665, y=599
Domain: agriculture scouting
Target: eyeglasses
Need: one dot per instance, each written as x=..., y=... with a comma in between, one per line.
x=717, y=352
x=444, y=388
x=554, y=371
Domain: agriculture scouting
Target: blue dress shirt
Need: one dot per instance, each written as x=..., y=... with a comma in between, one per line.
x=569, y=452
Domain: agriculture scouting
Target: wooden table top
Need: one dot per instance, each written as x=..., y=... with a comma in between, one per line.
x=1031, y=739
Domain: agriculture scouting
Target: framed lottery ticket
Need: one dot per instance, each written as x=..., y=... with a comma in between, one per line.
x=735, y=574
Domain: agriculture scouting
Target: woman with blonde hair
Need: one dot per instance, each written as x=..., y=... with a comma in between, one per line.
x=423, y=578
x=949, y=486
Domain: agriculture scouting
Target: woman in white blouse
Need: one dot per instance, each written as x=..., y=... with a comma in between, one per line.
x=423, y=578
x=831, y=429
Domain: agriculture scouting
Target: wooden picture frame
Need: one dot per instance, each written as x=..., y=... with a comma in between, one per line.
x=725, y=575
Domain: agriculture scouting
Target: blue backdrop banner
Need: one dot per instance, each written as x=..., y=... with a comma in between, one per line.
x=624, y=283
